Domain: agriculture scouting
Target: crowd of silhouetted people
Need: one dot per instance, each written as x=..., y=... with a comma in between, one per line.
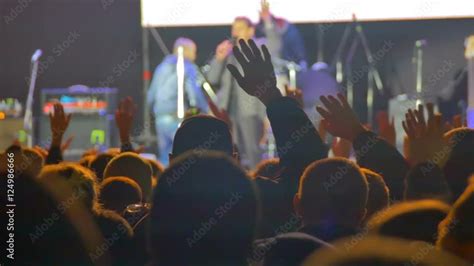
x=354, y=201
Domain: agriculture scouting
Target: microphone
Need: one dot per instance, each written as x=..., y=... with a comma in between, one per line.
x=38, y=53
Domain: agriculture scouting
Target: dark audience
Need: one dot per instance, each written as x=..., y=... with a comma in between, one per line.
x=301, y=208
x=379, y=194
x=117, y=193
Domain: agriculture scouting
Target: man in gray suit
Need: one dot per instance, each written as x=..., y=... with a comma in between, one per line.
x=246, y=112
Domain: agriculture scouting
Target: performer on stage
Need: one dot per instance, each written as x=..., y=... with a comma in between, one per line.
x=162, y=95
x=246, y=112
x=287, y=43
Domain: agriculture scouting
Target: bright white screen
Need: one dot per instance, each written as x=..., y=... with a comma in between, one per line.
x=161, y=13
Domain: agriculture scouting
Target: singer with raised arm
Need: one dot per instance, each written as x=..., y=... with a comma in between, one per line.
x=284, y=39
x=175, y=89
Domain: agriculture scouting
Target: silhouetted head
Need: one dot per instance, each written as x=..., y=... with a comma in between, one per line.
x=49, y=224
x=426, y=181
x=81, y=179
x=202, y=132
x=131, y=165
x=156, y=168
x=378, y=197
x=99, y=163
x=204, y=210
x=415, y=220
x=116, y=193
x=86, y=160
x=34, y=161
x=456, y=232
x=460, y=164
x=373, y=250
x=290, y=249
x=269, y=168
x=332, y=191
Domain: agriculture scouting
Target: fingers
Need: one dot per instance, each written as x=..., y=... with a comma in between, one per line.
x=240, y=57
x=334, y=102
x=343, y=101
x=236, y=74
x=323, y=112
x=256, y=52
x=266, y=56
x=420, y=115
x=431, y=115
x=246, y=49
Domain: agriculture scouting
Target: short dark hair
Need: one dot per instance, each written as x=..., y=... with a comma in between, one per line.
x=460, y=164
x=413, y=220
x=378, y=197
x=202, y=132
x=456, y=231
x=204, y=209
x=333, y=188
x=116, y=193
x=99, y=163
x=426, y=181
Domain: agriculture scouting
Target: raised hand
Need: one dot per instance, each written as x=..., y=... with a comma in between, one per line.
x=223, y=50
x=265, y=14
x=338, y=118
x=259, y=77
x=425, y=141
x=124, y=118
x=386, y=128
x=59, y=123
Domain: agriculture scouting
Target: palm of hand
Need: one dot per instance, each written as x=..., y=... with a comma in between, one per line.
x=258, y=77
x=425, y=140
x=338, y=117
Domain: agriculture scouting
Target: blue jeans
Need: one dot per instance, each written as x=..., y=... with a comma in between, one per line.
x=166, y=126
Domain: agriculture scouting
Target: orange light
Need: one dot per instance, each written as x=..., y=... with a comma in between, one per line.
x=2, y=115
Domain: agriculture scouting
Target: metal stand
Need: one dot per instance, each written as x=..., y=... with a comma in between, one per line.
x=373, y=79
x=28, y=119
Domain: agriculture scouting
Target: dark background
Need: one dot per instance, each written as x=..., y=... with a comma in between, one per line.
x=109, y=31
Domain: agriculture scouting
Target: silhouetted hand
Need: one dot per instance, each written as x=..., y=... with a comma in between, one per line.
x=338, y=118
x=425, y=139
x=124, y=118
x=59, y=123
x=259, y=77
x=386, y=128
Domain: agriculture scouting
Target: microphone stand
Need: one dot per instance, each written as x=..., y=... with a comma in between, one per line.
x=373, y=80
x=28, y=118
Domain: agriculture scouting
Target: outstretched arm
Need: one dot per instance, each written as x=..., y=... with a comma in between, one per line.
x=59, y=123
x=297, y=139
x=372, y=152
